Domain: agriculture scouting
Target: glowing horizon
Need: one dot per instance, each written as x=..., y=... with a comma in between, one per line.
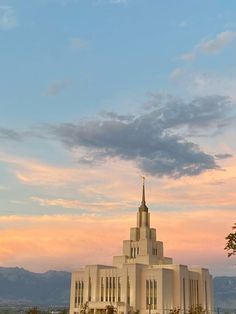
x=96, y=94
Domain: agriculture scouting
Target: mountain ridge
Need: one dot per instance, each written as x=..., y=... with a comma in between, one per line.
x=21, y=286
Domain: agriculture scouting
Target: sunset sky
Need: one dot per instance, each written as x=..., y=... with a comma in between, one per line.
x=93, y=95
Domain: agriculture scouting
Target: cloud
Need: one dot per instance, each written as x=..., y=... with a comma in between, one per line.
x=8, y=19
x=223, y=156
x=95, y=207
x=217, y=44
x=10, y=134
x=211, y=83
x=177, y=73
x=33, y=242
x=188, y=56
x=159, y=140
x=57, y=87
x=156, y=139
x=210, y=46
x=78, y=43
x=183, y=24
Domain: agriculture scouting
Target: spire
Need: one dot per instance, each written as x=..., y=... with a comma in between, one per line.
x=143, y=206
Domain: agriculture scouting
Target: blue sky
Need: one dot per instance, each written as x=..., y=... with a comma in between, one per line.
x=95, y=93
x=101, y=54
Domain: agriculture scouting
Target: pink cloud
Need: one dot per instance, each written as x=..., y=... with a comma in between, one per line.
x=68, y=242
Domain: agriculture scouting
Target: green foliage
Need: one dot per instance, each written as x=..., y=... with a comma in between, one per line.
x=85, y=308
x=198, y=309
x=175, y=310
x=231, y=243
x=110, y=309
x=33, y=310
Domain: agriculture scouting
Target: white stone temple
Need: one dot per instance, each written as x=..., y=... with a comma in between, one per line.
x=141, y=279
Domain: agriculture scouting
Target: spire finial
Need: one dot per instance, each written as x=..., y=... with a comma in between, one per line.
x=143, y=206
x=143, y=197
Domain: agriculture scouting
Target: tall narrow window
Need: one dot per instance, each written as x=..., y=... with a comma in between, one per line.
x=206, y=297
x=151, y=293
x=90, y=290
x=82, y=292
x=155, y=294
x=106, y=289
x=184, y=297
x=110, y=288
x=79, y=293
x=102, y=289
x=128, y=291
x=114, y=289
x=197, y=292
x=76, y=292
x=147, y=294
x=119, y=290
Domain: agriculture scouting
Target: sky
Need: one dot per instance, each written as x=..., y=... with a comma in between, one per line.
x=93, y=95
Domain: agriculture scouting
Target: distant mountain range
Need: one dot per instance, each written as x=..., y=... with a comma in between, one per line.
x=225, y=292
x=19, y=286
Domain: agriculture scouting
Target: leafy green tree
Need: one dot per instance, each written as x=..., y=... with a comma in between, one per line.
x=110, y=309
x=85, y=308
x=231, y=242
x=197, y=309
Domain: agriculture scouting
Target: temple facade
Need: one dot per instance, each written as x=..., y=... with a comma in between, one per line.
x=141, y=279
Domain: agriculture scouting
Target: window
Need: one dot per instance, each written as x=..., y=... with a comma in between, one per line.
x=102, y=289
x=151, y=294
x=90, y=290
x=128, y=290
x=106, y=289
x=119, y=289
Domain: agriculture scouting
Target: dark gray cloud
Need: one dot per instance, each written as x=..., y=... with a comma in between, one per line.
x=210, y=112
x=10, y=134
x=153, y=138
x=223, y=156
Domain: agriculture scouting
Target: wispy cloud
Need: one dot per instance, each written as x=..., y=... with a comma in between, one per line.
x=27, y=241
x=210, y=83
x=223, y=156
x=217, y=44
x=8, y=19
x=177, y=73
x=188, y=56
x=10, y=134
x=57, y=87
x=78, y=43
x=210, y=46
x=95, y=207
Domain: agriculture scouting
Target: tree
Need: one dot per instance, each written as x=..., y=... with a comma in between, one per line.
x=231, y=243
x=110, y=309
x=197, y=309
x=175, y=310
x=85, y=308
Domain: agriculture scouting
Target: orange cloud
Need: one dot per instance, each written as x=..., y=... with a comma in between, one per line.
x=77, y=204
x=67, y=242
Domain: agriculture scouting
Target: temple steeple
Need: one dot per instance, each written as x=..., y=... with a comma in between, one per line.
x=143, y=207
